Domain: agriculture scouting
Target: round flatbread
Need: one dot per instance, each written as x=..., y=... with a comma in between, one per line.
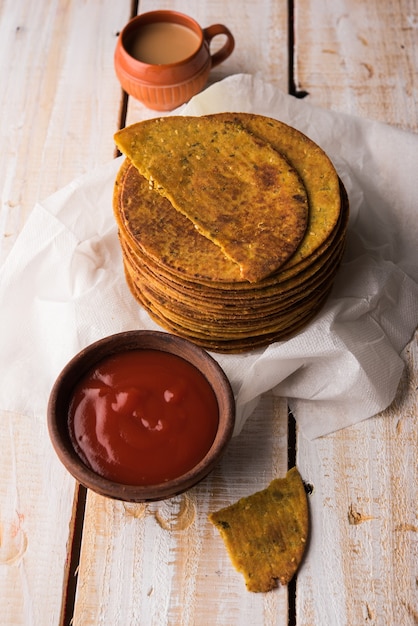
x=186, y=281
x=233, y=186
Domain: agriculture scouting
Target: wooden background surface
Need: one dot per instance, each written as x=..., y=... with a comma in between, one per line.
x=163, y=564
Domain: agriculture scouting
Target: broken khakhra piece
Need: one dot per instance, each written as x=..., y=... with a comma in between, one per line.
x=266, y=533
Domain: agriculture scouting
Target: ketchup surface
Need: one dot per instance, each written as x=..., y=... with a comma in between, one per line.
x=143, y=417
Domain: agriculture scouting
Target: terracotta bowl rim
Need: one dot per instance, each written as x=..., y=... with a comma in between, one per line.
x=151, y=17
x=119, y=342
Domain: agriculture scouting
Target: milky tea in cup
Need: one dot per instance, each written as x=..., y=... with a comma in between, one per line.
x=163, y=58
x=162, y=43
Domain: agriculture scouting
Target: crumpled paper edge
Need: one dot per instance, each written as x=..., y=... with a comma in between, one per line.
x=321, y=412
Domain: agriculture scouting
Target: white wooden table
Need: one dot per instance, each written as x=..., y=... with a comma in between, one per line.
x=67, y=555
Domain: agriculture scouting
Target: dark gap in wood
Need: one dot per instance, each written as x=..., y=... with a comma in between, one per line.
x=291, y=439
x=291, y=423
x=134, y=8
x=291, y=595
x=122, y=115
x=292, y=87
x=74, y=555
x=291, y=462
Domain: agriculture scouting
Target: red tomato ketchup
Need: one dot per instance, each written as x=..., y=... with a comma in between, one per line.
x=143, y=417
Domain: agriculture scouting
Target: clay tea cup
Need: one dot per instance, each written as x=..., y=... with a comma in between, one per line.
x=163, y=58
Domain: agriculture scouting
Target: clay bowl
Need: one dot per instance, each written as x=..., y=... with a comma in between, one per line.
x=77, y=368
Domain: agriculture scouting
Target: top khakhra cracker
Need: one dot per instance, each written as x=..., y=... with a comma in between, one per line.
x=236, y=189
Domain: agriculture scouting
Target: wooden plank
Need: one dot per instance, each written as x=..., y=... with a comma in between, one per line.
x=164, y=563
x=360, y=58
x=61, y=106
x=363, y=551
x=36, y=499
x=60, y=101
x=261, y=43
x=132, y=570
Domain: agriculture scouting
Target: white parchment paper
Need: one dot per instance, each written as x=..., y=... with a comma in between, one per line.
x=62, y=286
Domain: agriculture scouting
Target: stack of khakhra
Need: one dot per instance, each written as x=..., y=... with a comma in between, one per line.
x=232, y=226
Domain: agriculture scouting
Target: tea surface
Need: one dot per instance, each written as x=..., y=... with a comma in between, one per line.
x=163, y=43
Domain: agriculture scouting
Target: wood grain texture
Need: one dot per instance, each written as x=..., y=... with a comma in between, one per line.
x=35, y=511
x=359, y=57
x=60, y=103
x=60, y=99
x=165, y=563
x=364, y=546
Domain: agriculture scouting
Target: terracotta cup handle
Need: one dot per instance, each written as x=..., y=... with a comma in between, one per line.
x=218, y=29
